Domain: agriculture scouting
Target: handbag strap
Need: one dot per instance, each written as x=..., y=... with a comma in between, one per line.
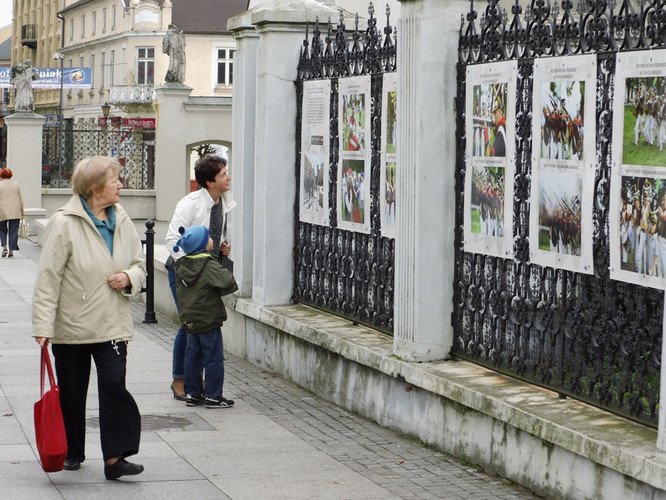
x=46, y=362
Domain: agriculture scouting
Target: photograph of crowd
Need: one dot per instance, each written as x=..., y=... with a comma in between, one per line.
x=391, y=117
x=489, y=119
x=487, y=207
x=643, y=226
x=313, y=176
x=353, y=122
x=560, y=212
x=562, y=120
x=352, y=190
x=644, y=134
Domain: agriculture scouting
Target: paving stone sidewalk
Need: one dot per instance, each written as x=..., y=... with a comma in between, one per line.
x=279, y=441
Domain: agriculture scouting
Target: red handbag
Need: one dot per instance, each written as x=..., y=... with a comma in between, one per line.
x=49, y=425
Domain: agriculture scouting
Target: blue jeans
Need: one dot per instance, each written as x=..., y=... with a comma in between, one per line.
x=9, y=233
x=180, y=342
x=204, y=349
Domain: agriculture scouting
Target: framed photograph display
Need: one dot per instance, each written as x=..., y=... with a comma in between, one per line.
x=387, y=200
x=315, y=146
x=563, y=162
x=489, y=158
x=355, y=154
x=638, y=176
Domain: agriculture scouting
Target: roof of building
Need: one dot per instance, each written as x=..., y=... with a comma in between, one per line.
x=205, y=16
x=6, y=50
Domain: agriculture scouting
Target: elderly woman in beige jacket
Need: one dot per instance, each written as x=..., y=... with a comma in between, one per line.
x=11, y=212
x=91, y=264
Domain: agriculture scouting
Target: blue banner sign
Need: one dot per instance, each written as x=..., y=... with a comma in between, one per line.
x=49, y=78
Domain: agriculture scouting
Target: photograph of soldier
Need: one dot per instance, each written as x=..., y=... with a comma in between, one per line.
x=644, y=134
x=391, y=122
x=560, y=212
x=488, y=201
x=352, y=190
x=562, y=120
x=313, y=175
x=643, y=226
x=390, y=193
x=353, y=122
x=489, y=119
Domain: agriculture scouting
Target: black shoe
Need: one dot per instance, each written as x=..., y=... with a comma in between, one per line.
x=72, y=464
x=230, y=402
x=192, y=401
x=121, y=468
x=215, y=403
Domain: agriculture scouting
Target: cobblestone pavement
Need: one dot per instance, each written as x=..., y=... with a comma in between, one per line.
x=406, y=468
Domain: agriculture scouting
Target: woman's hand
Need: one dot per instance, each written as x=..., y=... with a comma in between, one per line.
x=42, y=341
x=119, y=281
x=225, y=248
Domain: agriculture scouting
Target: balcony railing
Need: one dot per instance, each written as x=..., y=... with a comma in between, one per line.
x=132, y=94
x=29, y=35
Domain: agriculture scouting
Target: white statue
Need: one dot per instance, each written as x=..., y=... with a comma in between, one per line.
x=22, y=76
x=173, y=44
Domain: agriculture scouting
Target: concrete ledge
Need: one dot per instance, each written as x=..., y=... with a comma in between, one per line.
x=31, y=216
x=585, y=452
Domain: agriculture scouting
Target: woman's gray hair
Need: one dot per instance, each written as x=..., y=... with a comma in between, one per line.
x=91, y=173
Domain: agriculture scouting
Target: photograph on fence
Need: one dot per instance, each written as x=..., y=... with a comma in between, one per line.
x=563, y=163
x=490, y=105
x=387, y=199
x=489, y=119
x=315, y=146
x=562, y=120
x=637, y=229
x=487, y=208
x=355, y=154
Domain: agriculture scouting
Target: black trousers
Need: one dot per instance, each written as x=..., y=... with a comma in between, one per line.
x=119, y=417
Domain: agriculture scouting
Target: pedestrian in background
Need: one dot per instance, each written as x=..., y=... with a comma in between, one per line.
x=201, y=283
x=209, y=207
x=11, y=212
x=91, y=264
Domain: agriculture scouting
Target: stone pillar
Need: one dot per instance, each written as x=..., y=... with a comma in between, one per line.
x=427, y=56
x=24, y=155
x=243, y=141
x=172, y=178
x=281, y=28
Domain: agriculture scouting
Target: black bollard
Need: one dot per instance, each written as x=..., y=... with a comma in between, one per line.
x=150, y=271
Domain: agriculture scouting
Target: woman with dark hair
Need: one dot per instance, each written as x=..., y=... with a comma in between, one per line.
x=11, y=212
x=91, y=264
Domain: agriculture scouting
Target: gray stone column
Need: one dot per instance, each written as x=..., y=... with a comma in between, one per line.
x=172, y=178
x=24, y=155
x=427, y=56
x=281, y=28
x=243, y=141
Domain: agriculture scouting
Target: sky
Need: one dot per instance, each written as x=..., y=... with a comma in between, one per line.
x=5, y=12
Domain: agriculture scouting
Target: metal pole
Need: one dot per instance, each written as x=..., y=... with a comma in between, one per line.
x=150, y=271
x=60, y=119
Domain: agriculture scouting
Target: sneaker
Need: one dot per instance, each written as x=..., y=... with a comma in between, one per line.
x=229, y=402
x=218, y=403
x=121, y=468
x=192, y=401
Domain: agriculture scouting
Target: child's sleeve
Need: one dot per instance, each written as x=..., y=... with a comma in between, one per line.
x=219, y=277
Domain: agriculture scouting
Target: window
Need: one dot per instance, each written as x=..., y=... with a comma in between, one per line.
x=225, y=66
x=103, y=20
x=112, y=68
x=102, y=70
x=145, y=65
x=94, y=23
x=71, y=29
x=92, y=70
x=71, y=63
x=81, y=62
x=83, y=26
x=113, y=17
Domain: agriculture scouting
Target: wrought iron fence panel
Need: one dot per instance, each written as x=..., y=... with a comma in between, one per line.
x=347, y=273
x=584, y=336
x=63, y=148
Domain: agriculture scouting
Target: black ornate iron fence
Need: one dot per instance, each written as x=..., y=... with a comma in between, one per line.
x=63, y=148
x=344, y=272
x=584, y=336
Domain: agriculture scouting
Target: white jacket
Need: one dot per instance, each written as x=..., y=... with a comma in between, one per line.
x=72, y=300
x=194, y=210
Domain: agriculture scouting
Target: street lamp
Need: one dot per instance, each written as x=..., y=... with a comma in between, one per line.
x=59, y=56
x=106, y=109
